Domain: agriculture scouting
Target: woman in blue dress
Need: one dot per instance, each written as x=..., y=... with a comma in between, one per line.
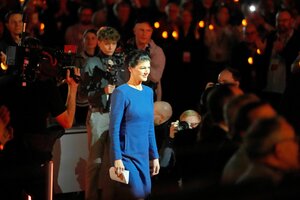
x=133, y=144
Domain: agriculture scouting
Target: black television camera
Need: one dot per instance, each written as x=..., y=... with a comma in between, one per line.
x=66, y=59
x=32, y=62
x=24, y=61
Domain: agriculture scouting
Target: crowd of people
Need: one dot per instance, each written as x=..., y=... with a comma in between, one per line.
x=194, y=98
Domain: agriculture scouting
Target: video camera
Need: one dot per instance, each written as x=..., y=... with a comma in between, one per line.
x=114, y=66
x=66, y=59
x=32, y=62
x=24, y=62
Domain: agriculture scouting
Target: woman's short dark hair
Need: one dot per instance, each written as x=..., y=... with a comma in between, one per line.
x=135, y=56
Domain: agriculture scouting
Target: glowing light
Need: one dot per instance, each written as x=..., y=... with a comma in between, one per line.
x=211, y=27
x=156, y=25
x=175, y=35
x=258, y=51
x=235, y=1
x=42, y=26
x=201, y=24
x=252, y=8
x=250, y=60
x=164, y=34
x=21, y=1
x=244, y=22
x=4, y=66
x=29, y=197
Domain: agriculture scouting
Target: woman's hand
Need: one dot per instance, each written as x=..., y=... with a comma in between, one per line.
x=154, y=167
x=119, y=167
x=109, y=89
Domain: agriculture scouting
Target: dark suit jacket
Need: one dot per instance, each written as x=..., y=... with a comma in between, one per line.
x=289, y=53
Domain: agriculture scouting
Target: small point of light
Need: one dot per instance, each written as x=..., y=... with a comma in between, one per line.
x=201, y=24
x=211, y=27
x=175, y=35
x=252, y=8
x=244, y=22
x=42, y=26
x=250, y=60
x=21, y=1
x=164, y=34
x=156, y=25
x=29, y=197
x=258, y=51
x=236, y=1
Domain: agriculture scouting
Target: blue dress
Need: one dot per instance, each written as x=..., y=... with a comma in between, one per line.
x=132, y=135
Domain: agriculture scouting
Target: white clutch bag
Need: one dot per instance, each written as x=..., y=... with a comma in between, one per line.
x=123, y=178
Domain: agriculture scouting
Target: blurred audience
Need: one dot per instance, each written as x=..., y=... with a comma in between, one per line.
x=273, y=150
x=246, y=115
x=282, y=49
x=74, y=33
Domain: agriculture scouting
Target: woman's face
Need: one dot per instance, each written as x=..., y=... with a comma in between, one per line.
x=141, y=71
x=90, y=41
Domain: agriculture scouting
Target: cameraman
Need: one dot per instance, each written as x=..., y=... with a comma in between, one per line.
x=102, y=73
x=30, y=100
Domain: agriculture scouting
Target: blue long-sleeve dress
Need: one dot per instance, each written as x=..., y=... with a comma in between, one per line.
x=132, y=135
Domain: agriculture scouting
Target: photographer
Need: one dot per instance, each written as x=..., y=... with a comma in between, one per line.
x=175, y=142
x=31, y=98
x=184, y=132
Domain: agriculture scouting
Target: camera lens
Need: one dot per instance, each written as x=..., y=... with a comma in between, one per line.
x=182, y=125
